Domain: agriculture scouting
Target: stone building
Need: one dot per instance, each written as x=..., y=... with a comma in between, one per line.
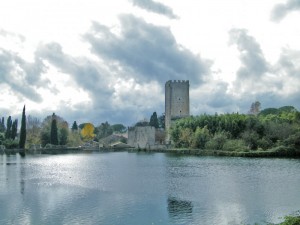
x=146, y=137
x=177, y=102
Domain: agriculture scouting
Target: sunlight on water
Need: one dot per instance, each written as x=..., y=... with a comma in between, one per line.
x=130, y=188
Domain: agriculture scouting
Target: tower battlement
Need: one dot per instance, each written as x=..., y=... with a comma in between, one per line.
x=177, y=81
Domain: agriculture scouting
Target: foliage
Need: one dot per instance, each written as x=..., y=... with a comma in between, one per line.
x=291, y=220
x=87, y=132
x=2, y=125
x=33, y=131
x=22, y=140
x=8, y=128
x=119, y=128
x=235, y=145
x=45, y=132
x=14, y=129
x=74, y=139
x=161, y=121
x=74, y=126
x=200, y=137
x=154, y=120
x=217, y=141
x=10, y=143
x=271, y=128
x=104, y=130
x=142, y=124
x=53, y=131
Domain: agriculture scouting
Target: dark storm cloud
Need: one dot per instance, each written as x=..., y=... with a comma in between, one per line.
x=251, y=55
x=21, y=76
x=155, y=7
x=147, y=51
x=281, y=10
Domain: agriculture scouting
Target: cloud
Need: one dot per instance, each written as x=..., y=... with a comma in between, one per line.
x=147, y=52
x=281, y=10
x=155, y=7
x=114, y=97
x=253, y=61
x=8, y=34
x=21, y=76
x=257, y=79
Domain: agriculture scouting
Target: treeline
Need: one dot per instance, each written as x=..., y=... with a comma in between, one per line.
x=267, y=129
x=53, y=130
x=9, y=136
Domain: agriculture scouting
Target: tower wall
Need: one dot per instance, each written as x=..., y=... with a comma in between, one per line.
x=177, y=101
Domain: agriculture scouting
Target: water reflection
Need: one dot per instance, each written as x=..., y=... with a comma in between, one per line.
x=179, y=210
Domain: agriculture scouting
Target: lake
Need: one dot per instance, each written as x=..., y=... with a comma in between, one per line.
x=144, y=188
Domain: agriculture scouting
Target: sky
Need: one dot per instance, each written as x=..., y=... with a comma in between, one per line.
x=96, y=61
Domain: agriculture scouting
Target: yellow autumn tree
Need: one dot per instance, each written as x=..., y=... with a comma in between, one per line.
x=87, y=132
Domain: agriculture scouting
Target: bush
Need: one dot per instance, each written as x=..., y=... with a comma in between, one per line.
x=251, y=139
x=291, y=220
x=10, y=144
x=264, y=143
x=235, y=145
x=217, y=142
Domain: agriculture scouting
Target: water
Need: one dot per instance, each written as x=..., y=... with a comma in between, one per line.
x=130, y=188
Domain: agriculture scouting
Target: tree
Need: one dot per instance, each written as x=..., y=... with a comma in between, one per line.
x=33, y=131
x=161, y=121
x=53, y=131
x=87, y=132
x=45, y=133
x=8, y=128
x=2, y=125
x=120, y=128
x=154, y=120
x=23, y=130
x=64, y=132
x=104, y=130
x=14, y=129
x=74, y=126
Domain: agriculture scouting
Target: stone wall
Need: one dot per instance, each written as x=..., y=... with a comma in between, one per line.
x=141, y=137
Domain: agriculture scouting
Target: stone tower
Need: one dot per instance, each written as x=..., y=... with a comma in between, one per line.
x=177, y=101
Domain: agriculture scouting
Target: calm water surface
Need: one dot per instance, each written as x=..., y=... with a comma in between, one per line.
x=130, y=188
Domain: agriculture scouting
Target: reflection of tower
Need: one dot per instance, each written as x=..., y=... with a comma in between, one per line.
x=177, y=102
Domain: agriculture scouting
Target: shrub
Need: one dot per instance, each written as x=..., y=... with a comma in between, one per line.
x=291, y=220
x=217, y=142
x=235, y=145
x=251, y=139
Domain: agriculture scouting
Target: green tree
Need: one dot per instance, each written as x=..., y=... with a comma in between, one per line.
x=200, y=137
x=2, y=125
x=120, y=128
x=8, y=128
x=22, y=140
x=74, y=126
x=161, y=121
x=33, y=131
x=154, y=120
x=14, y=129
x=54, y=132
x=45, y=133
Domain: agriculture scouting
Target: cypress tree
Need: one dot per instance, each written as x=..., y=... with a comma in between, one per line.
x=53, y=132
x=74, y=126
x=14, y=129
x=8, y=128
x=23, y=130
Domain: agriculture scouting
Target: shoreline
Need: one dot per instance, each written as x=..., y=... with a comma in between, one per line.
x=283, y=153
